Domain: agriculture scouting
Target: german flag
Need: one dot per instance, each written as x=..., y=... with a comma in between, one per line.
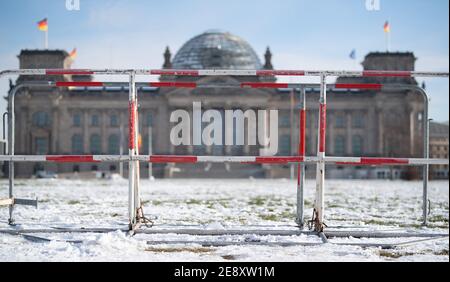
x=43, y=25
x=73, y=54
x=387, y=27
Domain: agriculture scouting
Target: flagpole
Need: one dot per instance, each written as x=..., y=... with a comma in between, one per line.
x=388, y=41
x=388, y=36
x=46, y=39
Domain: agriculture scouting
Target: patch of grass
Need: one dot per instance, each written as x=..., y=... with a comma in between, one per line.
x=229, y=257
x=156, y=203
x=196, y=250
x=115, y=215
x=269, y=217
x=287, y=214
x=412, y=225
x=394, y=255
x=383, y=222
x=374, y=200
x=73, y=202
x=194, y=202
x=257, y=201
x=223, y=203
x=438, y=218
x=441, y=253
x=334, y=205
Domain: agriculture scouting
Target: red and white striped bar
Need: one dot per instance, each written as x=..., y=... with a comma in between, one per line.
x=391, y=161
x=65, y=158
x=218, y=72
x=174, y=84
x=223, y=159
x=214, y=72
x=228, y=159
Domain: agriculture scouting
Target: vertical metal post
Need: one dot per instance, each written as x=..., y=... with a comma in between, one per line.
x=121, y=149
x=5, y=116
x=291, y=121
x=150, y=152
x=131, y=151
x=301, y=152
x=320, y=173
x=426, y=153
x=137, y=194
x=11, y=137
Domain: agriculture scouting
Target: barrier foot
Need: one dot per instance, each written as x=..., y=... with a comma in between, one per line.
x=323, y=237
x=300, y=224
x=139, y=221
x=11, y=202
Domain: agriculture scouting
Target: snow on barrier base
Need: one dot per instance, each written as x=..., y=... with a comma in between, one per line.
x=134, y=158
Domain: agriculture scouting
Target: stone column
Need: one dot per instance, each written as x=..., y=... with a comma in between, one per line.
x=330, y=132
x=103, y=133
x=55, y=132
x=85, y=115
x=370, y=129
x=349, y=132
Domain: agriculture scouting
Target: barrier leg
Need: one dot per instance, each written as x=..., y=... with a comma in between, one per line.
x=137, y=193
x=426, y=167
x=11, y=192
x=320, y=173
x=11, y=163
x=131, y=153
x=300, y=195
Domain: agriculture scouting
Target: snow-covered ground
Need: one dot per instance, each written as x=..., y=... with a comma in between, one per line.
x=372, y=205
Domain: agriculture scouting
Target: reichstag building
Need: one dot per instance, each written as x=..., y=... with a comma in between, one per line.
x=91, y=120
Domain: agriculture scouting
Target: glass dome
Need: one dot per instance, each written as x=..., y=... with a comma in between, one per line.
x=216, y=50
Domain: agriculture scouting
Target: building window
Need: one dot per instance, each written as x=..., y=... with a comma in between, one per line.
x=149, y=119
x=357, y=145
x=285, y=145
x=41, y=119
x=77, y=144
x=199, y=150
x=339, y=121
x=95, y=120
x=114, y=120
x=41, y=144
x=113, y=144
x=339, y=145
x=76, y=120
x=285, y=121
x=95, y=144
x=358, y=120
x=145, y=145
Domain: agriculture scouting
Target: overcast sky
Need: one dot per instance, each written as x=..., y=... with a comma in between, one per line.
x=313, y=34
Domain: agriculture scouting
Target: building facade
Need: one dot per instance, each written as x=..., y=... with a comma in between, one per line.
x=439, y=149
x=93, y=120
